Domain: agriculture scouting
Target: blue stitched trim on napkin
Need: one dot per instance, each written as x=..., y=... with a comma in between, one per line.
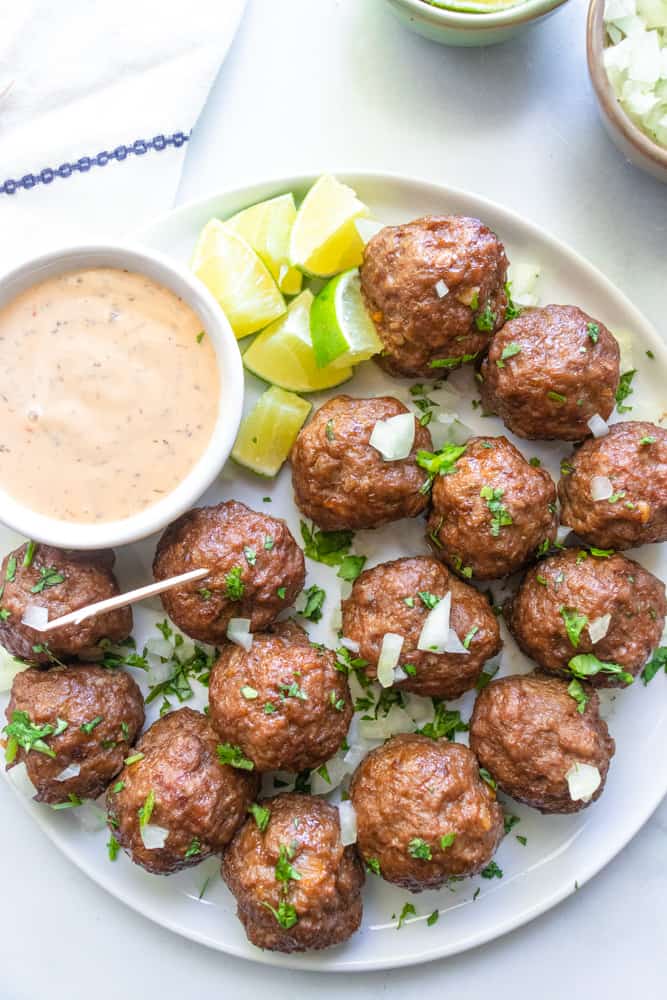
x=137, y=148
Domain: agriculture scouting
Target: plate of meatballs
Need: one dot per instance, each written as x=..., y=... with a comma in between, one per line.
x=419, y=697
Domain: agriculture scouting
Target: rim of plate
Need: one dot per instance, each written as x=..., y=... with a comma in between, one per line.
x=617, y=839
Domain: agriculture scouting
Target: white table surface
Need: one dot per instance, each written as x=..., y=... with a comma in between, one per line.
x=320, y=84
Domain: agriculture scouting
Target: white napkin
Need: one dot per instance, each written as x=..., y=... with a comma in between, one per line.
x=84, y=78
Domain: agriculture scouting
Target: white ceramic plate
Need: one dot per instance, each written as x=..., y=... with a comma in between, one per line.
x=562, y=852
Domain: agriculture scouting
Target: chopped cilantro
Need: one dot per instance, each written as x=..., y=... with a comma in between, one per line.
x=285, y=870
x=587, y=665
x=261, y=815
x=312, y=610
x=485, y=320
x=428, y=600
x=87, y=727
x=418, y=848
x=593, y=331
x=230, y=754
x=329, y=430
x=351, y=567
x=112, y=848
x=10, y=572
x=21, y=732
x=145, y=811
x=4, y=614
x=510, y=822
x=133, y=759
x=485, y=776
x=285, y=914
x=452, y=362
x=522, y=840
x=447, y=840
x=269, y=708
x=470, y=636
x=491, y=871
x=512, y=310
x=575, y=622
x=648, y=439
x=118, y=787
x=501, y=516
x=432, y=918
x=200, y=336
x=194, y=849
x=292, y=691
x=407, y=911
x=556, y=397
x=575, y=690
x=250, y=555
x=624, y=390
x=508, y=352
x=410, y=669
x=234, y=586
x=336, y=702
x=446, y=723
x=657, y=662
x=49, y=576
x=30, y=549
x=281, y=592
x=268, y=542
x=328, y=547
x=373, y=866
x=409, y=602
x=249, y=693
x=72, y=801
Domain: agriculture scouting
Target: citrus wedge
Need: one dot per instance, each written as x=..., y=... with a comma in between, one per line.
x=268, y=432
x=324, y=239
x=341, y=330
x=266, y=226
x=238, y=279
x=283, y=353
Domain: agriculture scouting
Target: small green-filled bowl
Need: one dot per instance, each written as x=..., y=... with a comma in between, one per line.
x=471, y=23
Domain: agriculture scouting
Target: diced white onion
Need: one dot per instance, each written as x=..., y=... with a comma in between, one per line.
x=400, y=675
x=350, y=644
x=368, y=228
x=153, y=836
x=354, y=756
x=160, y=647
x=562, y=531
x=435, y=632
x=18, y=775
x=238, y=632
x=185, y=651
x=599, y=427
x=398, y=721
x=71, y=771
x=336, y=770
x=524, y=278
x=419, y=709
x=583, y=781
x=454, y=644
x=336, y=620
x=598, y=628
x=9, y=668
x=394, y=437
x=35, y=616
x=441, y=289
x=348, y=823
x=89, y=816
x=601, y=488
x=390, y=652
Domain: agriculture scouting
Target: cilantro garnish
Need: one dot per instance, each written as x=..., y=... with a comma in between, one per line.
x=575, y=690
x=112, y=848
x=447, y=840
x=285, y=914
x=233, y=755
x=145, y=811
x=329, y=430
x=284, y=870
x=470, y=636
x=193, y=849
x=501, y=516
x=648, y=439
x=432, y=918
x=593, y=331
x=373, y=866
x=624, y=390
x=250, y=555
x=328, y=547
x=485, y=776
x=49, y=576
x=485, y=320
x=587, y=665
x=292, y=691
x=351, y=567
x=491, y=871
x=510, y=821
x=453, y=362
x=556, y=397
x=312, y=610
x=428, y=600
x=87, y=727
x=30, y=550
x=575, y=622
x=407, y=911
x=446, y=723
x=418, y=848
x=657, y=662
x=21, y=732
x=512, y=310
x=234, y=586
x=439, y=463
x=508, y=352
x=10, y=571
x=261, y=815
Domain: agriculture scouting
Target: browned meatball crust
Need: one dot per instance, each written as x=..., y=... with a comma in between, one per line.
x=570, y=585
x=282, y=701
x=387, y=599
x=341, y=481
x=414, y=791
x=565, y=370
x=633, y=456
x=256, y=569
x=61, y=581
x=200, y=801
x=492, y=512
x=103, y=711
x=424, y=333
x=320, y=905
x=528, y=733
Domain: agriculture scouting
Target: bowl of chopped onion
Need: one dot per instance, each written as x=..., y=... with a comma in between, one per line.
x=627, y=61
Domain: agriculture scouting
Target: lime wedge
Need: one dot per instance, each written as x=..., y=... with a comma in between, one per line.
x=475, y=6
x=283, y=353
x=266, y=226
x=341, y=330
x=238, y=279
x=268, y=432
x=324, y=239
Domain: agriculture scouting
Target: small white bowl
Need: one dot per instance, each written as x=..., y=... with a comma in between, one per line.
x=72, y=535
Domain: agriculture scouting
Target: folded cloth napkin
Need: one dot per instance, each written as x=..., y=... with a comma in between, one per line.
x=97, y=102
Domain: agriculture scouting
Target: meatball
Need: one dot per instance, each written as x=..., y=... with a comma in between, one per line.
x=568, y=595
x=435, y=289
x=492, y=512
x=256, y=569
x=296, y=886
x=61, y=581
x=341, y=481
x=396, y=597
x=549, y=371
x=424, y=814
x=528, y=733
x=178, y=782
x=283, y=702
x=633, y=458
x=80, y=722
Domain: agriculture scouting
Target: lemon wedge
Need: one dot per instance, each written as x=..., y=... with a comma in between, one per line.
x=268, y=432
x=237, y=277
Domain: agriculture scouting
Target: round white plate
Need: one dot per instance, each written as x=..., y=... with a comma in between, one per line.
x=562, y=852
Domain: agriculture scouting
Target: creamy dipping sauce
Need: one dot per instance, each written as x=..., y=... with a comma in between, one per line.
x=108, y=394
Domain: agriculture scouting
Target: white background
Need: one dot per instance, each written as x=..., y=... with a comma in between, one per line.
x=325, y=84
